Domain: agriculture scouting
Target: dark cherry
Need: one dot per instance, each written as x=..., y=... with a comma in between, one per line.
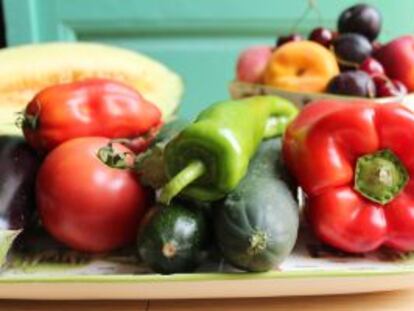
x=389, y=88
x=285, y=39
x=351, y=49
x=372, y=67
x=385, y=88
x=361, y=18
x=323, y=36
x=352, y=83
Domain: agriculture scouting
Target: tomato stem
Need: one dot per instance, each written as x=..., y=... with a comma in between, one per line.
x=112, y=158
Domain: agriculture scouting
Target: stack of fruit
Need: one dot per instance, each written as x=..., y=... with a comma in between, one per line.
x=348, y=61
x=99, y=172
x=95, y=153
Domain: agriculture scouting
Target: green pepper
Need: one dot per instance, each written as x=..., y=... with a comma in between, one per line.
x=210, y=156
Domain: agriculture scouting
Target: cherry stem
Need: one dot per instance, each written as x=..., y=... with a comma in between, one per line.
x=312, y=5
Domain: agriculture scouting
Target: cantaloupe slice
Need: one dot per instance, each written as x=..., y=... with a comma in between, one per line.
x=27, y=69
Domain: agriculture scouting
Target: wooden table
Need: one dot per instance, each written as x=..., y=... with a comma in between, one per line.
x=395, y=301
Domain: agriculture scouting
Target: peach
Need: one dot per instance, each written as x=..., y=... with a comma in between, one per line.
x=252, y=62
x=301, y=66
x=397, y=58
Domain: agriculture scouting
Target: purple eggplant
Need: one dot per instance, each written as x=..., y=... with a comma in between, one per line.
x=18, y=168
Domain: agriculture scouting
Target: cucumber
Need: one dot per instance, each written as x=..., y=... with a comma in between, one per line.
x=256, y=225
x=172, y=239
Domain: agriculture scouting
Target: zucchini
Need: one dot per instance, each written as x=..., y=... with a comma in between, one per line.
x=172, y=239
x=256, y=225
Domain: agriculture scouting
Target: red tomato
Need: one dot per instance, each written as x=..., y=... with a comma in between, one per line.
x=85, y=203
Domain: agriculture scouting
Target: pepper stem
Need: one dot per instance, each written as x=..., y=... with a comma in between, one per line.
x=190, y=173
x=380, y=176
x=26, y=121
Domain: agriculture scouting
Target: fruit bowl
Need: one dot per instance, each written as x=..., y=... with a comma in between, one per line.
x=239, y=89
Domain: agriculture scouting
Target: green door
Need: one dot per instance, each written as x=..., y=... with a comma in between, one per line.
x=200, y=39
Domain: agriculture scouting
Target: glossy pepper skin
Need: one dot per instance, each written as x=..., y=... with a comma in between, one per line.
x=222, y=140
x=95, y=107
x=323, y=148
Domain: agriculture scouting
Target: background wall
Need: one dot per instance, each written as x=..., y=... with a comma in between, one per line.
x=198, y=38
x=2, y=30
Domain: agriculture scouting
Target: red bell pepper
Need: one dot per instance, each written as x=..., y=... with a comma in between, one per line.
x=355, y=162
x=94, y=107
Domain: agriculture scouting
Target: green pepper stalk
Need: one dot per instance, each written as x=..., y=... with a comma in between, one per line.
x=210, y=157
